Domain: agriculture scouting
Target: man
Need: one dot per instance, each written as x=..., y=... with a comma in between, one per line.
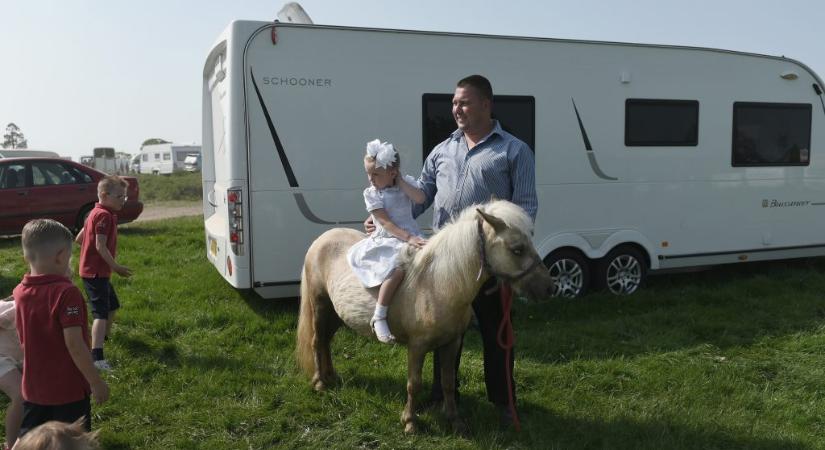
x=479, y=160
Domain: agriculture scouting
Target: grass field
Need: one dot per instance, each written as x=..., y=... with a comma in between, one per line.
x=729, y=358
x=180, y=186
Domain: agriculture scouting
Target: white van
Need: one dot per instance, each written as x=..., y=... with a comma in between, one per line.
x=192, y=163
x=647, y=156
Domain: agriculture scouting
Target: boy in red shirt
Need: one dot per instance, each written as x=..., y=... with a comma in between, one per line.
x=98, y=247
x=58, y=372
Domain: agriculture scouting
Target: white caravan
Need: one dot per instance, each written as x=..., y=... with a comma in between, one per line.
x=647, y=156
x=165, y=158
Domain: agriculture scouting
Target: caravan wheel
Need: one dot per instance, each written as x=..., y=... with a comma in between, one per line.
x=623, y=270
x=570, y=272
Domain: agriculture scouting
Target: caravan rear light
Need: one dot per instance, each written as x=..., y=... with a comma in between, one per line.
x=234, y=209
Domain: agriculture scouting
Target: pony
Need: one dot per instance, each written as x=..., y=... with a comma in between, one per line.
x=432, y=307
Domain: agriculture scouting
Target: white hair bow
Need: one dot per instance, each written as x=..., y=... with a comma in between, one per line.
x=384, y=153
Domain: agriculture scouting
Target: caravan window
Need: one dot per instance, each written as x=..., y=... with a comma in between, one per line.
x=771, y=134
x=516, y=113
x=167, y=156
x=145, y=157
x=661, y=123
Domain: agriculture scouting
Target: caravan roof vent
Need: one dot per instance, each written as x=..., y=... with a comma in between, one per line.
x=292, y=12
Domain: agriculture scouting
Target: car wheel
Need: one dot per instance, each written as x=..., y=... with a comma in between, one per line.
x=622, y=271
x=81, y=217
x=570, y=272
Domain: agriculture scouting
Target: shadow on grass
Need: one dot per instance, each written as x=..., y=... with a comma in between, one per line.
x=168, y=355
x=269, y=308
x=725, y=307
x=541, y=428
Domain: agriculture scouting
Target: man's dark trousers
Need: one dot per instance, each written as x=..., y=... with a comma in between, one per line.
x=487, y=308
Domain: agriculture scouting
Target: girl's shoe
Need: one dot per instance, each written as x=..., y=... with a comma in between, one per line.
x=382, y=330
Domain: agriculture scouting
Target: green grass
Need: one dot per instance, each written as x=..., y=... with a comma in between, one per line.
x=728, y=358
x=176, y=186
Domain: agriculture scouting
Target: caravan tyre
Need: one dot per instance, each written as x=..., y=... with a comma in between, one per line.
x=570, y=271
x=622, y=271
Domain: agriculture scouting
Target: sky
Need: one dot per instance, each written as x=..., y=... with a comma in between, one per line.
x=81, y=74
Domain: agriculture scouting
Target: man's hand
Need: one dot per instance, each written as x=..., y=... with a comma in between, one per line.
x=369, y=225
x=417, y=241
x=122, y=271
x=100, y=392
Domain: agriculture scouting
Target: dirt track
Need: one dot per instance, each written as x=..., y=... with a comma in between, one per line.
x=161, y=211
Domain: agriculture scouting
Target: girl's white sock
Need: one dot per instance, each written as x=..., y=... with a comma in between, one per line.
x=380, y=311
x=379, y=323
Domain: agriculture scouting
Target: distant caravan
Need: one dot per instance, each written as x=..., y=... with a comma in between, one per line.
x=648, y=157
x=163, y=159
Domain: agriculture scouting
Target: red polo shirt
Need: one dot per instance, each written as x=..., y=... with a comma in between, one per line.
x=46, y=304
x=101, y=220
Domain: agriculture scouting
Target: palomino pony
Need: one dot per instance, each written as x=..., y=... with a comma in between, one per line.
x=432, y=307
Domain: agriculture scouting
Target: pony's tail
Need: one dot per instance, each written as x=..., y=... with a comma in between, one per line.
x=304, y=351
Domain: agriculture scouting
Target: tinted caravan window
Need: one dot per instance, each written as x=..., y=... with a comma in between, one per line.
x=516, y=113
x=771, y=134
x=664, y=123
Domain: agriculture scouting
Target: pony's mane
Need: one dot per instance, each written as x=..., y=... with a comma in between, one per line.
x=454, y=248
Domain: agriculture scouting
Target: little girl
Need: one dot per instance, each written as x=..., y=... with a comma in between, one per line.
x=389, y=199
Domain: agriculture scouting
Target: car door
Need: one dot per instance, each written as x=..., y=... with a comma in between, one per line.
x=57, y=192
x=14, y=209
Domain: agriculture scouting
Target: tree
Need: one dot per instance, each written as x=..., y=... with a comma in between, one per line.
x=14, y=137
x=154, y=141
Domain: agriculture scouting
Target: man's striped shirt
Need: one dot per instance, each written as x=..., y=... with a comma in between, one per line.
x=500, y=165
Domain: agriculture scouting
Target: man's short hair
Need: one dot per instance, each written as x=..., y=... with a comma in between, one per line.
x=44, y=237
x=481, y=84
x=107, y=183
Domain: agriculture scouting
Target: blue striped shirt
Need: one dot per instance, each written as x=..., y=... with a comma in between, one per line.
x=454, y=178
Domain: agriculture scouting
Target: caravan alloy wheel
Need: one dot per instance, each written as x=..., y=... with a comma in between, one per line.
x=623, y=270
x=570, y=273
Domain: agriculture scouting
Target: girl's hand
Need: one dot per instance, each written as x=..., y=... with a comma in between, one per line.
x=417, y=241
x=369, y=225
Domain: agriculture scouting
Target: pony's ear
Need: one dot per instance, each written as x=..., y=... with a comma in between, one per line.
x=494, y=221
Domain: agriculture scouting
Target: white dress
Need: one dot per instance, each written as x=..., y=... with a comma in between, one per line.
x=373, y=258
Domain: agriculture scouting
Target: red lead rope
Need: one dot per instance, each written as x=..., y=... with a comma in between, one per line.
x=506, y=339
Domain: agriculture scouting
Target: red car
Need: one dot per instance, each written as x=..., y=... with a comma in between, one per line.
x=54, y=188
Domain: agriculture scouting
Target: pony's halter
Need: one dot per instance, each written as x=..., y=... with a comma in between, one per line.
x=485, y=264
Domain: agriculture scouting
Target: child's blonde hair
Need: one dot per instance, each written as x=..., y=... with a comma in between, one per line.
x=109, y=182
x=56, y=435
x=44, y=237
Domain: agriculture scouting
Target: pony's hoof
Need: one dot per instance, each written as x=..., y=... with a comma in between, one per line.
x=318, y=384
x=410, y=428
